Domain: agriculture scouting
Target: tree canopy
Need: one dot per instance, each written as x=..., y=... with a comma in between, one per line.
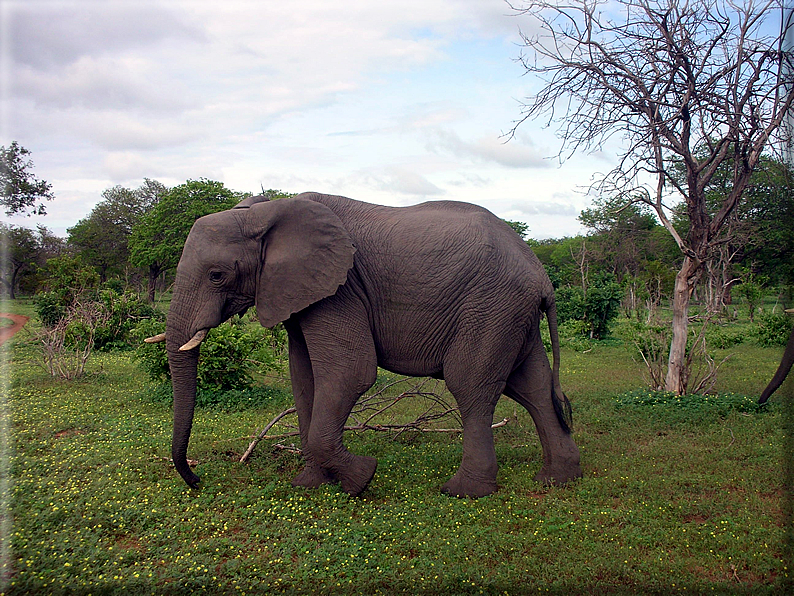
x=22, y=191
x=103, y=236
x=157, y=239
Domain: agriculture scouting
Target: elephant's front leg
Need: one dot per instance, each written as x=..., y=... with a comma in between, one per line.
x=344, y=366
x=300, y=368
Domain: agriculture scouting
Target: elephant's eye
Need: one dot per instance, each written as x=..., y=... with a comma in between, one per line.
x=216, y=276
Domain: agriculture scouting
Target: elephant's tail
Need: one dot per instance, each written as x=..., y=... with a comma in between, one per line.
x=562, y=407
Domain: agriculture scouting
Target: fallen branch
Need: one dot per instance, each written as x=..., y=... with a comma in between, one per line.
x=264, y=432
x=376, y=404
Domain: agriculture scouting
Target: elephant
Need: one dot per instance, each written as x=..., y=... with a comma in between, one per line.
x=782, y=370
x=442, y=289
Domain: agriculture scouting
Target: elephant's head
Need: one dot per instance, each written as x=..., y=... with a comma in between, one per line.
x=280, y=255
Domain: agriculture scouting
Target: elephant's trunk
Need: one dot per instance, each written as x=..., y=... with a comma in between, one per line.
x=184, y=368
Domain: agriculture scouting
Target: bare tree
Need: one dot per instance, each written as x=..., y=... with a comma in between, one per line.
x=667, y=77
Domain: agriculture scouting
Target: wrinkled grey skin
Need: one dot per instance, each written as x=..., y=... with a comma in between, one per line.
x=782, y=370
x=441, y=289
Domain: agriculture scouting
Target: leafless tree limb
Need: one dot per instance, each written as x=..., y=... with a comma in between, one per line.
x=440, y=407
x=707, y=85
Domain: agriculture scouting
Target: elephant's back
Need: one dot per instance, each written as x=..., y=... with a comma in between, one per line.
x=458, y=244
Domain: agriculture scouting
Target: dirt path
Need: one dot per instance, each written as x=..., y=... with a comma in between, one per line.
x=7, y=333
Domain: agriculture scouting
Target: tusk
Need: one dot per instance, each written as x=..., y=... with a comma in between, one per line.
x=194, y=341
x=155, y=339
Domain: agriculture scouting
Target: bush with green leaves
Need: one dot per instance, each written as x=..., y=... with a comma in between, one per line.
x=598, y=307
x=721, y=337
x=122, y=312
x=772, y=329
x=570, y=304
x=574, y=334
x=50, y=308
x=125, y=310
x=602, y=303
x=230, y=355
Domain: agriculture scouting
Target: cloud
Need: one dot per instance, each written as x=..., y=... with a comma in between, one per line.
x=401, y=180
x=487, y=150
x=48, y=36
x=104, y=83
x=546, y=208
x=471, y=180
x=325, y=96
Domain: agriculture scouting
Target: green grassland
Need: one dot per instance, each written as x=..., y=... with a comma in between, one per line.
x=677, y=495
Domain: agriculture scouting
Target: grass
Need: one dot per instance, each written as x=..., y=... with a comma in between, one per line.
x=673, y=499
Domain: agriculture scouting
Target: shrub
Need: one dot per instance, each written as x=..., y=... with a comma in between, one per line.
x=602, y=304
x=50, y=308
x=574, y=334
x=224, y=363
x=125, y=311
x=67, y=345
x=67, y=277
x=230, y=354
x=598, y=308
x=152, y=358
x=722, y=338
x=771, y=329
x=570, y=304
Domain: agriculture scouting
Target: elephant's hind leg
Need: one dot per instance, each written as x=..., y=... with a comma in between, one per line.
x=530, y=384
x=470, y=383
x=476, y=476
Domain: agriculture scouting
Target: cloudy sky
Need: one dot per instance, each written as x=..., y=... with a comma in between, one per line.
x=390, y=101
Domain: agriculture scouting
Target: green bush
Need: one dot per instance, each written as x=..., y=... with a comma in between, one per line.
x=575, y=335
x=125, y=310
x=230, y=354
x=598, y=307
x=65, y=278
x=152, y=358
x=121, y=313
x=570, y=304
x=224, y=364
x=771, y=329
x=602, y=304
x=50, y=308
x=723, y=338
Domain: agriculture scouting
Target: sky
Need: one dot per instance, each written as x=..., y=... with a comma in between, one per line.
x=393, y=102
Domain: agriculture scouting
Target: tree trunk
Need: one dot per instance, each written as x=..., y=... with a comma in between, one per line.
x=685, y=280
x=154, y=272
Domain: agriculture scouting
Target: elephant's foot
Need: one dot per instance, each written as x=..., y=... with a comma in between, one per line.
x=559, y=475
x=314, y=476
x=463, y=485
x=357, y=475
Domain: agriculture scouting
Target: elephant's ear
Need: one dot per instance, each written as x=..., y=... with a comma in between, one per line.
x=306, y=254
